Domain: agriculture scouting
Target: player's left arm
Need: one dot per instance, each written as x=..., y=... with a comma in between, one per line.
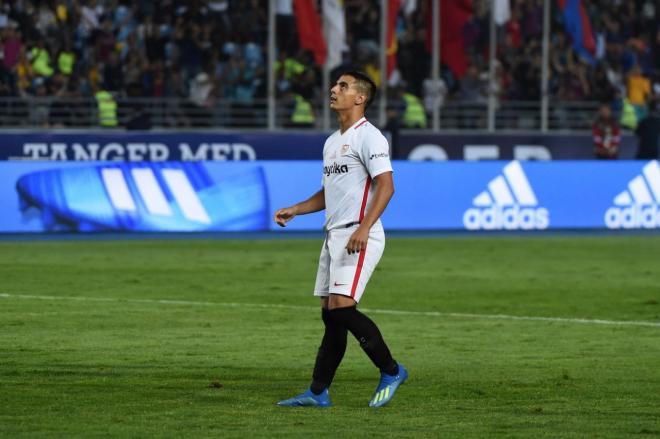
x=384, y=184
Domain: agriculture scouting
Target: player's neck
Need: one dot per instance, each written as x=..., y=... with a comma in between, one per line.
x=348, y=119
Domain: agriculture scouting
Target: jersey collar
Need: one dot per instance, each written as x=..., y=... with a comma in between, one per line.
x=357, y=123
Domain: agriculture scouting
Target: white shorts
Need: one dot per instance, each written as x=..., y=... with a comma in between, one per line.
x=341, y=273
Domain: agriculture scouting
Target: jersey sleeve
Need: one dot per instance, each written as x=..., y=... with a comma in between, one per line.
x=375, y=154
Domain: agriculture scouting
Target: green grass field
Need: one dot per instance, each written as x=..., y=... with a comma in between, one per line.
x=148, y=338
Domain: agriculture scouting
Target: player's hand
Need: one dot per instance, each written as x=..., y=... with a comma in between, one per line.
x=283, y=216
x=358, y=240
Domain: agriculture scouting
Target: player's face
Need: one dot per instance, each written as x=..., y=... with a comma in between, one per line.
x=344, y=95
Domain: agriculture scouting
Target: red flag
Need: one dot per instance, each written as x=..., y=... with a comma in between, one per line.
x=453, y=16
x=392, y=44
x=310, y=31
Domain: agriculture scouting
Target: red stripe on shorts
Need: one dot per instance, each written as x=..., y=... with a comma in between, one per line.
x=363, y=252
x=356, y=278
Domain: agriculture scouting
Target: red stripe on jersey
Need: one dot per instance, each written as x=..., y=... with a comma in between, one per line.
x=356, y=278
x=364, y=198
x=361, y=123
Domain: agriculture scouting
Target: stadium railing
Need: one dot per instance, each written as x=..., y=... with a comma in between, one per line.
x=68, y=112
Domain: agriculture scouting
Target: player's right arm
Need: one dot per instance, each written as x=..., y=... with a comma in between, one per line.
x=313, y=204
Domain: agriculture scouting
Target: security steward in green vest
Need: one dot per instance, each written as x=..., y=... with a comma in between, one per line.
x=107, y=108
x=41, y=60
x=65, y=62
x=303, y=114
x=414, y=115
x=628, y=115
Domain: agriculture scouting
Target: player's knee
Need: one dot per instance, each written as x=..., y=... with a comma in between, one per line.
x=338, y=301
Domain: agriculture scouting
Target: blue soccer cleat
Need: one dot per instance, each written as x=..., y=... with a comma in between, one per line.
x=308, y=399
x=387, y=387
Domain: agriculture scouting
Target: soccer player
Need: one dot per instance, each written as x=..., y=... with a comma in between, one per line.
x=357, y=186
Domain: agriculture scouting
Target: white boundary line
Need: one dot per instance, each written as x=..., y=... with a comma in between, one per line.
x=370, y=310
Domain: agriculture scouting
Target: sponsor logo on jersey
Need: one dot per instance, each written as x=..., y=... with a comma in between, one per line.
x=378, y=156
x=509, y=203
x=335, y=169
x=639, y=205
x=345, y=149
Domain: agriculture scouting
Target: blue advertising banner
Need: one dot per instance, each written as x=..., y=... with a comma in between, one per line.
x=504, y=147
x=242, y=196
x=156, y=147
x=208, y=146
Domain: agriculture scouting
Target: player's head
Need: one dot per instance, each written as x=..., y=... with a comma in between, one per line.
x=352, y=88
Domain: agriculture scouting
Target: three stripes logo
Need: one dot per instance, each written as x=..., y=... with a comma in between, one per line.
x=509, y=203
x=158, y=196
x=383, y=394
x=151, y=193
x=639, y=205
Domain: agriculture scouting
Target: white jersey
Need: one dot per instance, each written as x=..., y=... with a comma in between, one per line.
x=350, y=161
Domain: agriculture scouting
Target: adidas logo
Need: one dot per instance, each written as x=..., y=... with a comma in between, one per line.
x=149, y=190
x=508, y=204
x=639, y=205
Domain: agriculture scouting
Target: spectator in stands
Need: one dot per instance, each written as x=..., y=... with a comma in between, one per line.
x=413, y=60
x=394, y=115
x=435, y=93
x=175, y=89
x=202, y=98
x=137, y=116
x=639, y=91
x=285, y=25
x=648, y=134
x=473, y=95
x=112, y=73
x=606, y=134
x=24, y=73
x=11, y=50
x=574, y=85
x=602, y=89
x=39, y=108
x=104, y=40
x=365, y=24
x=475, y=36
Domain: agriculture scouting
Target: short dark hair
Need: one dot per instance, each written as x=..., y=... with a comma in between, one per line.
x=364, y=84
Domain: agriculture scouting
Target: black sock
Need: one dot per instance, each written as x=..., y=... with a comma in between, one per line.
x=370, y=338
x=330, y=354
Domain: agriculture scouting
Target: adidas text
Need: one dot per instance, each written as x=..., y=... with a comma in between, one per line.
x=633, y=217
x=638, y=206
x=506, y=218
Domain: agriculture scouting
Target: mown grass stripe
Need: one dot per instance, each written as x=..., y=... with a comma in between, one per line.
x=369, y=310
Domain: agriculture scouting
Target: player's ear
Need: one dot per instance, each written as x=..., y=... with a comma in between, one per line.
x=360, y=99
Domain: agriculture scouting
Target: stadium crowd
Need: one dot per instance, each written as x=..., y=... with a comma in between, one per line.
x=204, y=52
